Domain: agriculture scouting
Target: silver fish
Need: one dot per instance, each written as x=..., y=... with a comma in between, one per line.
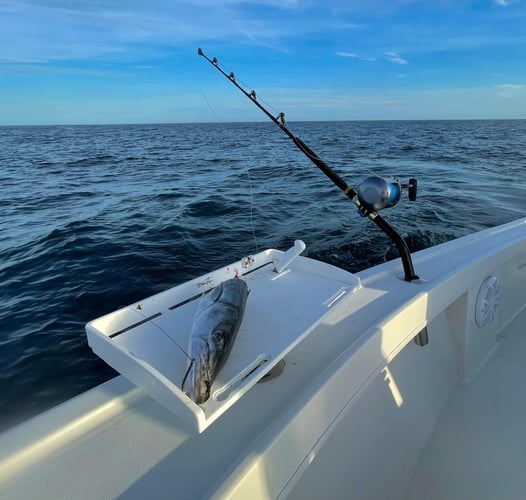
x=216, y=324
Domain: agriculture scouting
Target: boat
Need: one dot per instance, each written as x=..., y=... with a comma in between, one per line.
x=402, y=381
x=390, y=389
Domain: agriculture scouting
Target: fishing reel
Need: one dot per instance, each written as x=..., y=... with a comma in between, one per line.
x=376, y=193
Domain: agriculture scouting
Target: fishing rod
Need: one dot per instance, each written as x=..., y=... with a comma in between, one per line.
x=372, y=195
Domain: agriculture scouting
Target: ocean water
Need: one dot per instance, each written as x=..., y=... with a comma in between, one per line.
x=96, y=217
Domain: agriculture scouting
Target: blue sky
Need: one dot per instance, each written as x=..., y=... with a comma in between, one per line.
x=111, y=61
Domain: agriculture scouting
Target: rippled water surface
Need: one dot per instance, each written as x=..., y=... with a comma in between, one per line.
x=96, y=217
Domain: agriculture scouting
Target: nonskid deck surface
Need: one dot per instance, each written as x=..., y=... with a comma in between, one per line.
x=477, y=449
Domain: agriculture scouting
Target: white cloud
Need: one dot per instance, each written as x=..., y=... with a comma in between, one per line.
x=509, y=90
x=509, y=86
x=352, y=55
x=395, y=58
x=22, y=69
x=502, y=3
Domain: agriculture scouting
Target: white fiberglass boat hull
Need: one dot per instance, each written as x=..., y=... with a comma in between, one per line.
x=349, y=417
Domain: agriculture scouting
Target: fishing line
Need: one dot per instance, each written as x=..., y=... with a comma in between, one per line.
x=138, y=309
x=252, y=209
x=187, y=373
x=247, y=171
x=212, y=110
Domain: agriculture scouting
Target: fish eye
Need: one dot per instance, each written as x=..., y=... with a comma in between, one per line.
x=218, y=335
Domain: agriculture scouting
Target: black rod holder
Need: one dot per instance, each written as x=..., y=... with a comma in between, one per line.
x=422, y=337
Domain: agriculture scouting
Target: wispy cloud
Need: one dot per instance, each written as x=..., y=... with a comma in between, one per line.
x=394, y=57
x=135, y=31
x=51, y=30
x=352, y=55
x=509, y=90
x=43, y=69
x=65, y=29
x=510, y=86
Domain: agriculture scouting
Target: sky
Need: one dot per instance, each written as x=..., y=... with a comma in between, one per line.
x=131, y=61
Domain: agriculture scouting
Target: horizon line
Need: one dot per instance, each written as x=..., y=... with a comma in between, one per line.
x=211, y=122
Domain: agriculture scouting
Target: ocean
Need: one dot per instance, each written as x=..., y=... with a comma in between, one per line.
x=96, y=217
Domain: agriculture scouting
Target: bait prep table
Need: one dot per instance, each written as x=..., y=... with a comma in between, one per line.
x=148, y=342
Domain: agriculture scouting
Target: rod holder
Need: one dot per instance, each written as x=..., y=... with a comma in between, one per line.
x=422, y=337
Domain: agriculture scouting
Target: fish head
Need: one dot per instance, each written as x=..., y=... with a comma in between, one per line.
x=202, y=371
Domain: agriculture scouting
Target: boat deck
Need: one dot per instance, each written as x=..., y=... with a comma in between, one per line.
x=477, y=449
